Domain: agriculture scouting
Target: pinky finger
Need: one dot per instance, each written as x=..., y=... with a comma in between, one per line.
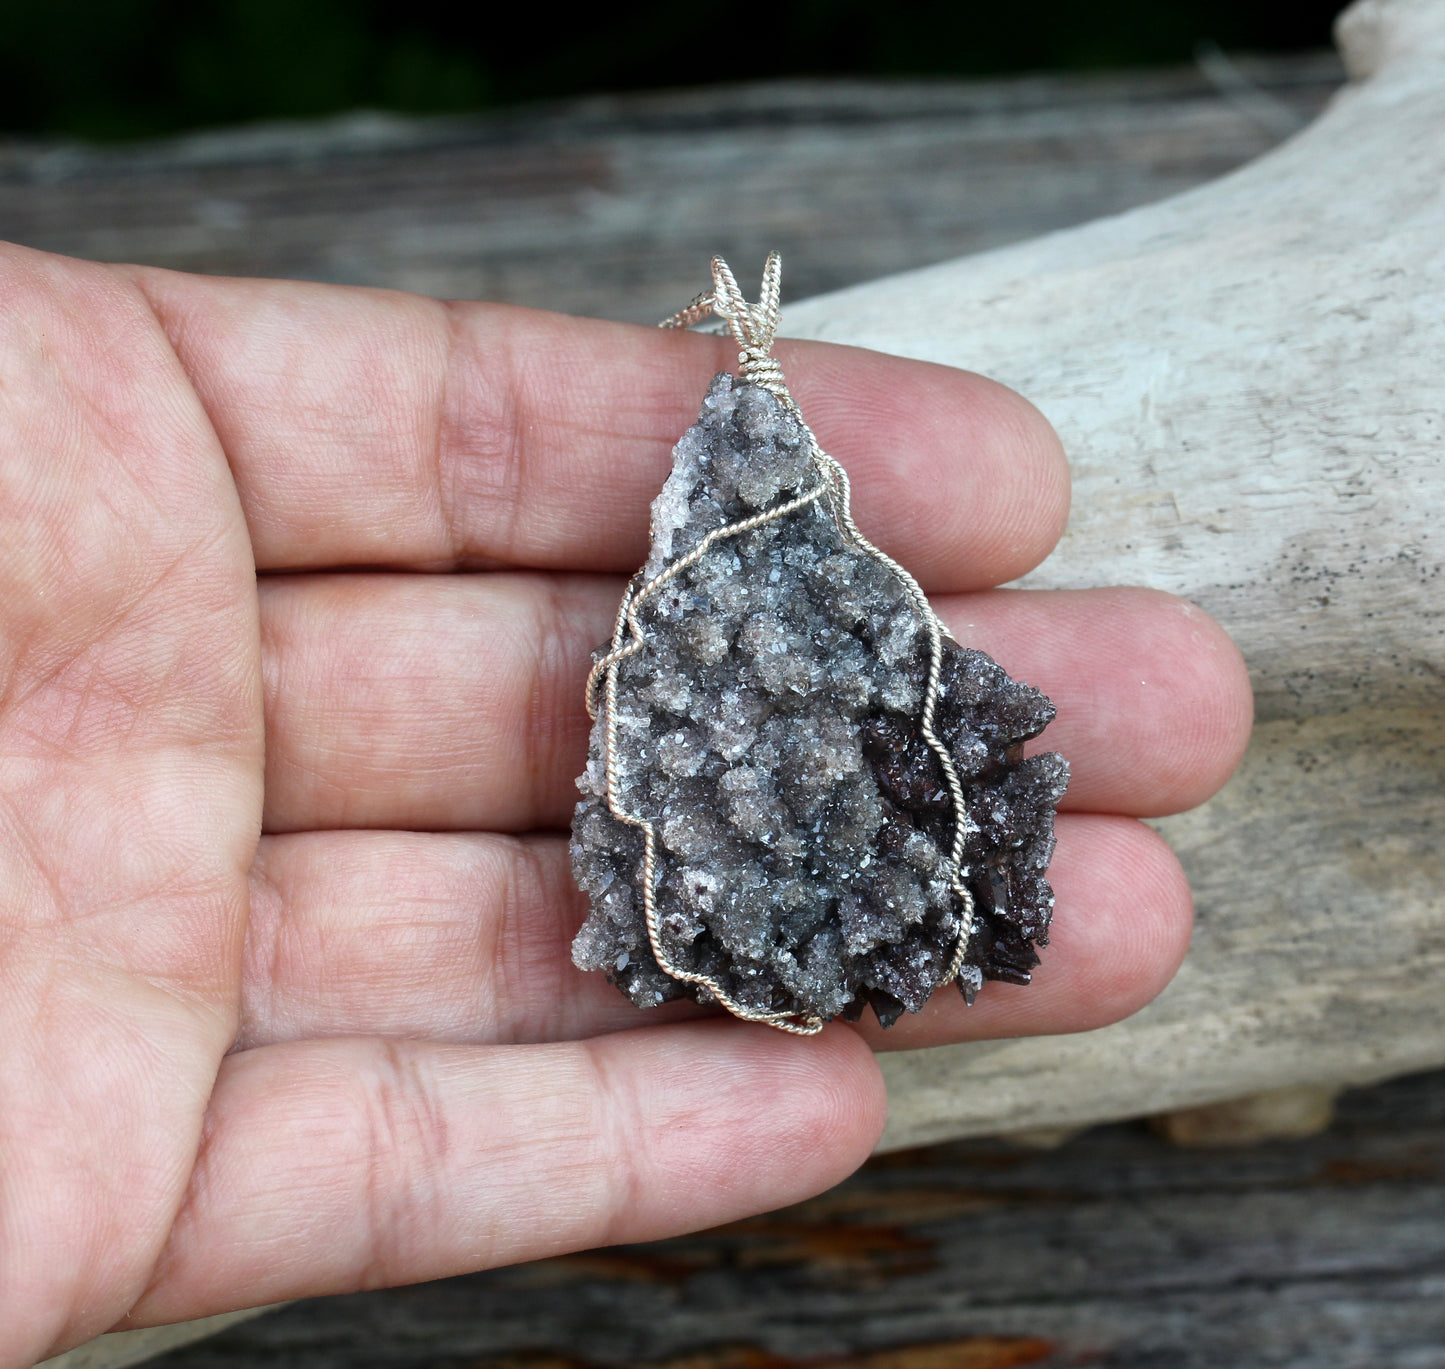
x=331, y=1166
x=1121, y=928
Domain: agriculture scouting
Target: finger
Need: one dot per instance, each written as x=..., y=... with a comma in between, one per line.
x=456, y=701
x=333, y=1166
x=427, y=701
x=1155, y=706
x=431, y=936
x=376, y=428
x=467, y=938
x=1122, y=918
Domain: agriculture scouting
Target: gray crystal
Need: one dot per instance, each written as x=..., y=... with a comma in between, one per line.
x=769, y=732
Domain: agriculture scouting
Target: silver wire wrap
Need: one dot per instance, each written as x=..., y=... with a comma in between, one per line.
x=753, y=328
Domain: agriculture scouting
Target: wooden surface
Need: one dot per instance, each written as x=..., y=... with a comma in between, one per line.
x=1117, y=1250
x=613, y=206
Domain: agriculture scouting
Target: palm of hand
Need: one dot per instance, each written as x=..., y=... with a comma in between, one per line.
x=357, y=1053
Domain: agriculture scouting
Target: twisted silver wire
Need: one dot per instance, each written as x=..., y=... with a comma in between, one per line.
x=754, y=327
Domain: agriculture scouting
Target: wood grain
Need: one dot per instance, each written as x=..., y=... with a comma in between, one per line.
x=1115, y=1250
x=613, y=206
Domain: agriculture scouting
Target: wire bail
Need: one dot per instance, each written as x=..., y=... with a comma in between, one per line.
x=752, y=326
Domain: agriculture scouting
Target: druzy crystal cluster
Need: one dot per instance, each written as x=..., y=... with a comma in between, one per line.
x=769, y=731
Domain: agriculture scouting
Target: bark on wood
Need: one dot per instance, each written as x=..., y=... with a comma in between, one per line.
x=1276, y=1115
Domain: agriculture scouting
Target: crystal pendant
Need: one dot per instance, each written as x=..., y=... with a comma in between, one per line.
x=803, y=797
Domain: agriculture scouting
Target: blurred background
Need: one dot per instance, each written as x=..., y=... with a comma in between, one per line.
x=593, y=163
x=116, y=69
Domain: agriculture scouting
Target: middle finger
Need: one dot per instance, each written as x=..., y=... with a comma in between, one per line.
x=455, y=702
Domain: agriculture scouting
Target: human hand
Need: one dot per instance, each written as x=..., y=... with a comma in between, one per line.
x=357, y=1053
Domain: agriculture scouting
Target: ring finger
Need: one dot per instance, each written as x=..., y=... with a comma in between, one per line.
x=466, y=938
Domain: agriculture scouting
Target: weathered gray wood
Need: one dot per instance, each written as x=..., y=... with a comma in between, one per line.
x=1118, y=1250
x=613, y=206
x=125, y=1348
x=1248, y=380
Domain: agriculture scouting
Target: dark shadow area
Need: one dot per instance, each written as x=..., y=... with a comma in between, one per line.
x=116, y=69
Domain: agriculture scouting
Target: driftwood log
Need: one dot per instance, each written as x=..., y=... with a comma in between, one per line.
x=1248, y=380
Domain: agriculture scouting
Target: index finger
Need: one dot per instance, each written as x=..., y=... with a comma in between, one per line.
x=369, y=427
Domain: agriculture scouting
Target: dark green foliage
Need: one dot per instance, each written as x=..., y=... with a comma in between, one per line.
x=129, y=68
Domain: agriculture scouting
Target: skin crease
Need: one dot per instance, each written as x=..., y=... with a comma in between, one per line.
x=285, y=1000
